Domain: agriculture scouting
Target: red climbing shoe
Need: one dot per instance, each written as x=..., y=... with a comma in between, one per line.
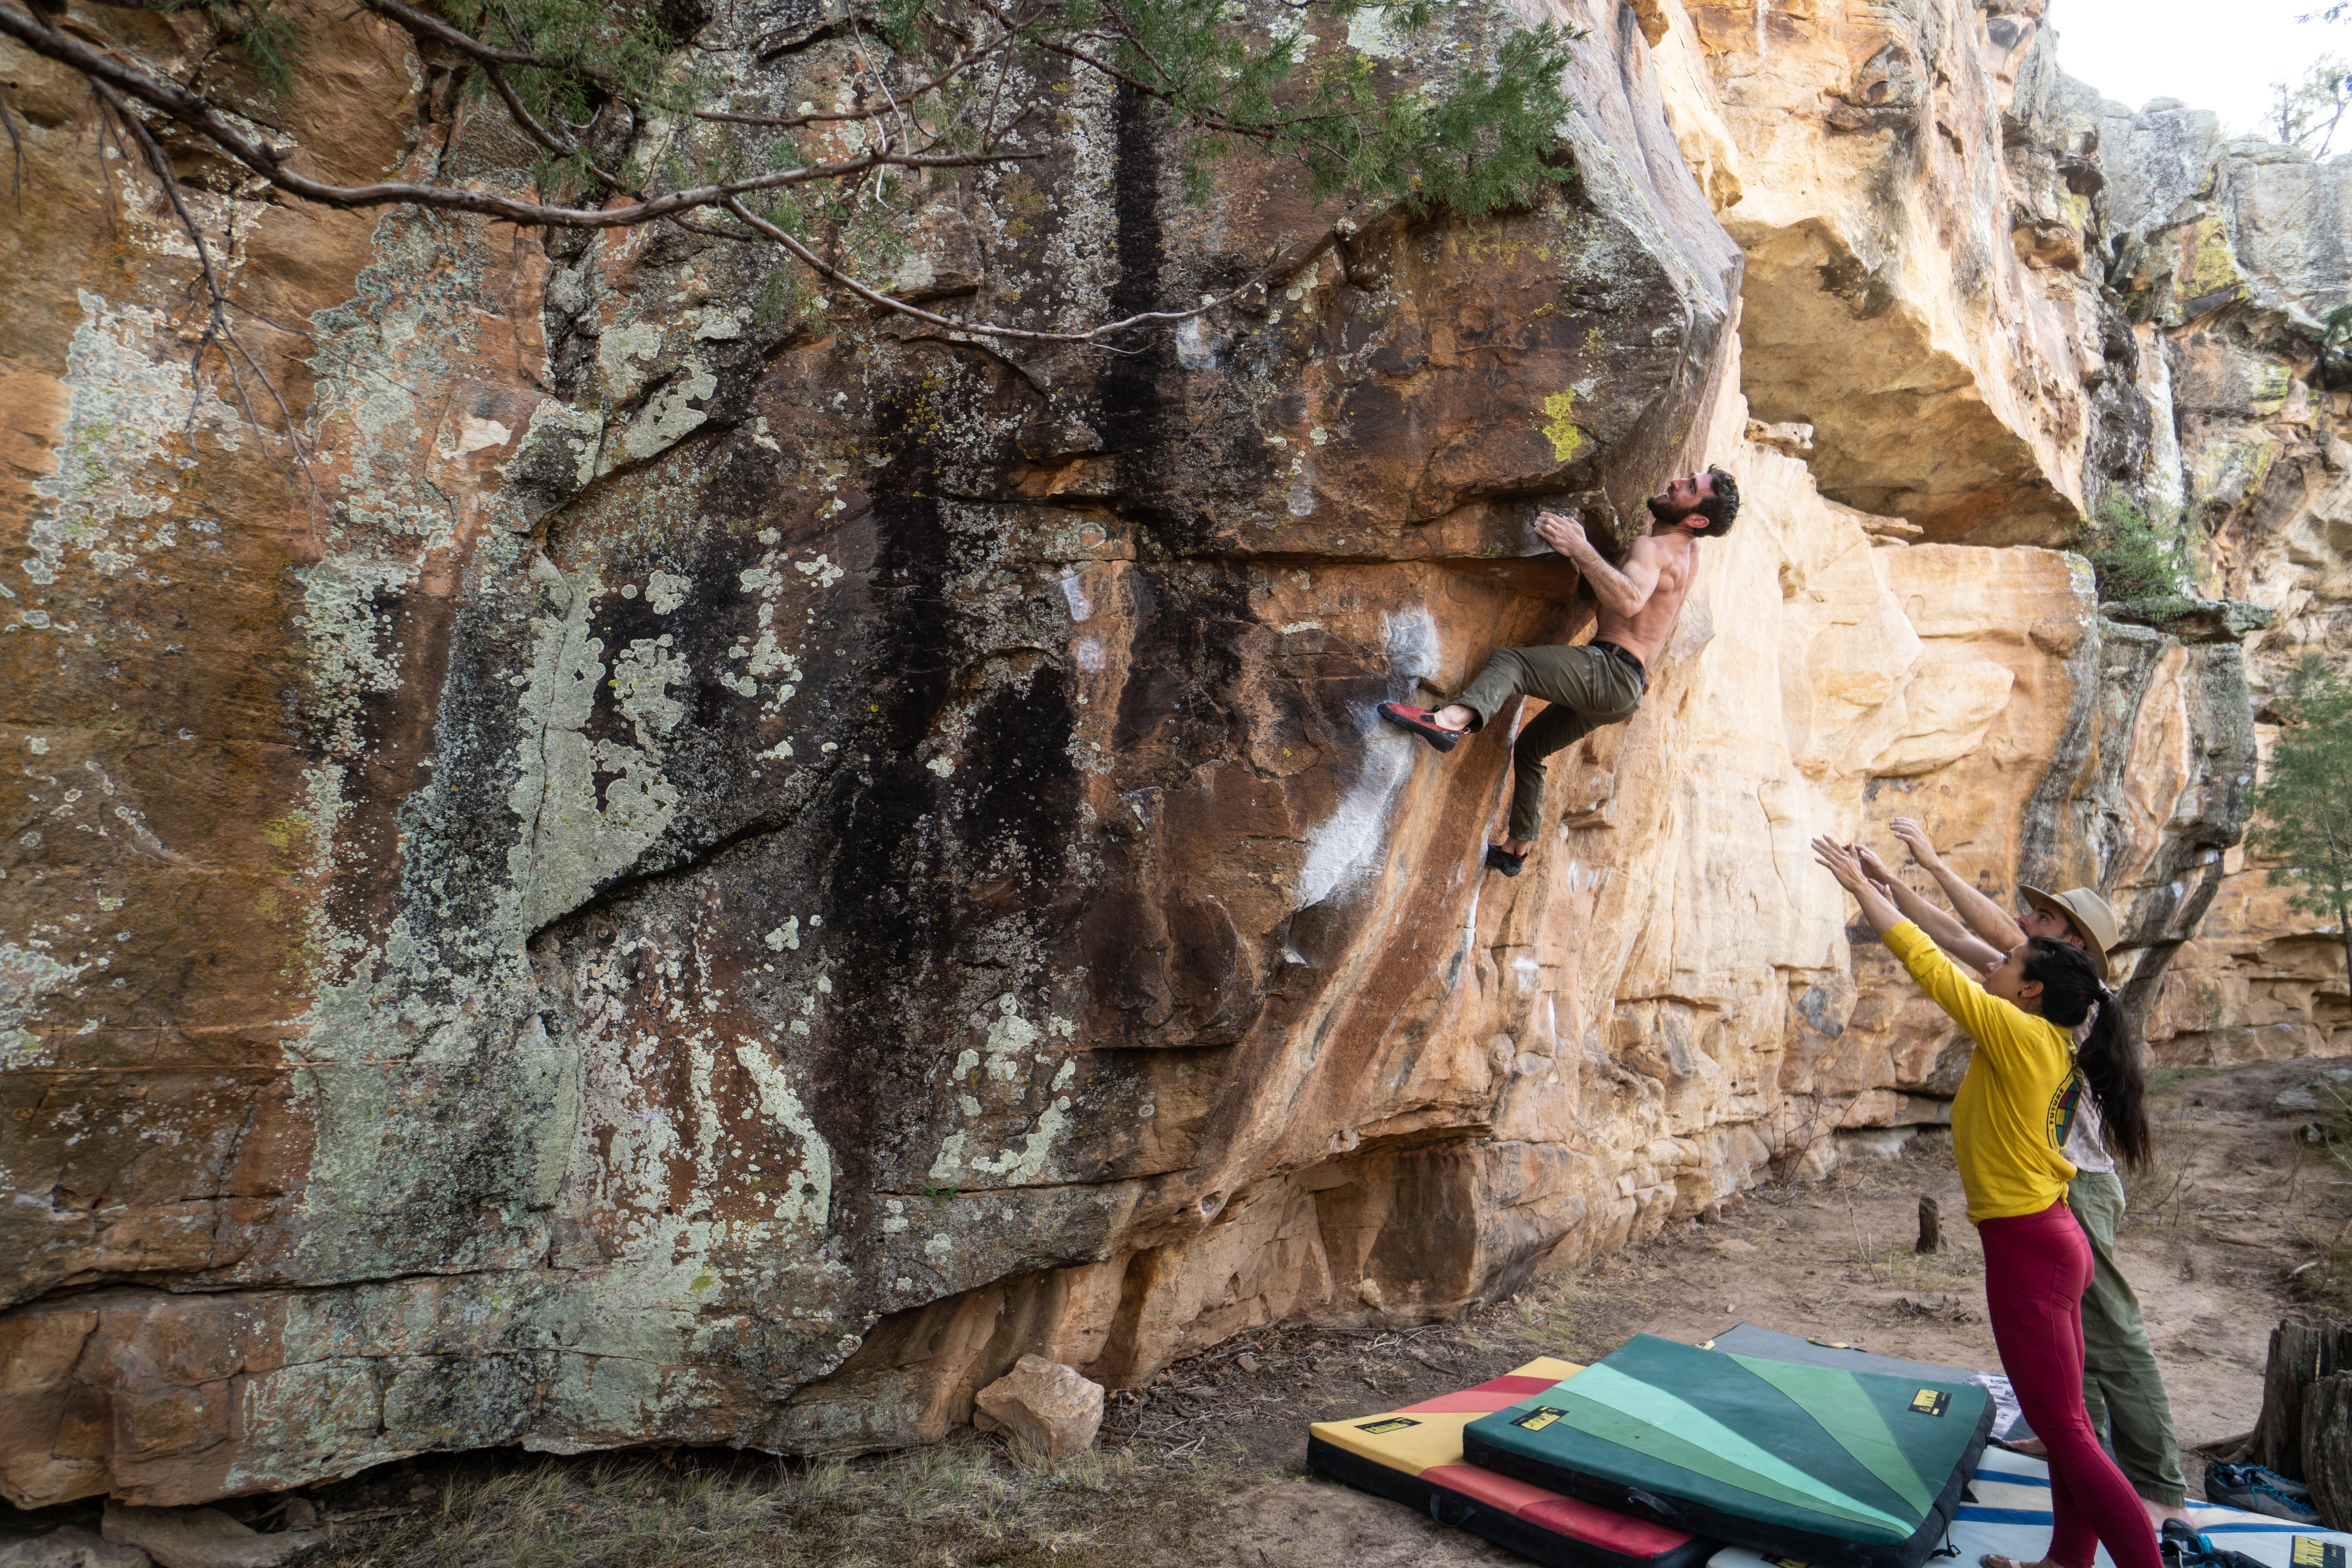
x=1423, y=722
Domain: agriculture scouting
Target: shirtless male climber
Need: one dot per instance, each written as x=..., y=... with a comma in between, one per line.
x=2121, y=1386
x=1602, y=682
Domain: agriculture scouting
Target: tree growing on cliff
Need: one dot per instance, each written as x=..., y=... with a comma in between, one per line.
x=2306, y=113
x=629, y=131
x=2303, y=805
x=2137, y=559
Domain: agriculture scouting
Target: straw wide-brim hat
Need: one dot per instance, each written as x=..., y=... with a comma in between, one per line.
x=2088, y=913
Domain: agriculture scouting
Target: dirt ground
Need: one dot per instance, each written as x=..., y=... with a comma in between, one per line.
x=2236, y=1203
x=2239, y=1224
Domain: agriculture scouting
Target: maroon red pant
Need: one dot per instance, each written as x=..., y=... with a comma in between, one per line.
x=2036, y=1268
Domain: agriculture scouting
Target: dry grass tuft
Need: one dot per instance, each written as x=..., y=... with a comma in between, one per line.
x=966, y=1501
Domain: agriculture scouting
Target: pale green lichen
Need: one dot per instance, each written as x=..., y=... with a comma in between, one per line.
x=345, y=622
x=572, y=840
x=116, y=460
x=999, y=1074
x=26, y=976
x=667, y=418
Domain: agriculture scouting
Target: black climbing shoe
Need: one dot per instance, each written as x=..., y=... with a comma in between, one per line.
x=1502, y=860
x=2182, y=1546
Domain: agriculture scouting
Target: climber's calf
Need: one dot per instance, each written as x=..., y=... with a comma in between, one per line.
x=1602, y=682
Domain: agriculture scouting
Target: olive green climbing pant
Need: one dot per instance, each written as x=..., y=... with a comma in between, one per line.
x=2121, y=1386
x=1586, y=687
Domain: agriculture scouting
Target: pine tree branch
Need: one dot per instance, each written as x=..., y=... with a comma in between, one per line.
x=198, y=115
x=1093, y=336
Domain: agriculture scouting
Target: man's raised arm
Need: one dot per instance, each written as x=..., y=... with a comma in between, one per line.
x=1987, y=919
x=1623, y=591
x=1942, y=929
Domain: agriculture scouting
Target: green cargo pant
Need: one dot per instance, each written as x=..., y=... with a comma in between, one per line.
x=1586, y=687
x=2121, y=1386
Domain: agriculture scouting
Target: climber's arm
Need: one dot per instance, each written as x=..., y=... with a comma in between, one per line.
x=1623, y=590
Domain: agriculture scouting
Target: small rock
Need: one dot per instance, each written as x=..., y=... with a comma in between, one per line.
x=2314, y=1093
x=205, y=1538
x=1246, y=1361
x=71, y=1547
x=1047, y=1406
x=1732, y=1247
x=300, y=1513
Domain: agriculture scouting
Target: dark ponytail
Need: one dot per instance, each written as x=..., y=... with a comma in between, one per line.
x=2108, y=1060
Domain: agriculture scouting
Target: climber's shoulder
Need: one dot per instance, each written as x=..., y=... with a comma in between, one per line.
x=1674, y=556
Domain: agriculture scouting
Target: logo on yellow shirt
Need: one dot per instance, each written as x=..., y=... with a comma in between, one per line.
x=2062, y=1106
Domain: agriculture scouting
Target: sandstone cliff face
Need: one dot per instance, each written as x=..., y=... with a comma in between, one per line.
x=2148, y=334
x=697, y=873
x=2234, y=256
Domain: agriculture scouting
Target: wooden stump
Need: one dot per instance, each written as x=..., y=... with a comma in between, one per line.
x=2327, y=1447
x=1931, y=1235
x=2293, y=1365
x=2300, y=1359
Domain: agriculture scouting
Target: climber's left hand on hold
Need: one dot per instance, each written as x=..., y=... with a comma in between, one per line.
x=1565, y=534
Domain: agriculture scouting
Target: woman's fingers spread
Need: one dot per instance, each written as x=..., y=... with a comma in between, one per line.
x=1838, y=859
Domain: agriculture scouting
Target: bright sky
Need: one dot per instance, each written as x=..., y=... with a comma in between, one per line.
x=2218, y=56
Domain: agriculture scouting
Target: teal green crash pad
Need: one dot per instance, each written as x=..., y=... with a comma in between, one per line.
x=1817, y=1465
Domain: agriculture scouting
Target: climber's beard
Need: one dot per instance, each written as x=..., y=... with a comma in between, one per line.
x=1663, y=510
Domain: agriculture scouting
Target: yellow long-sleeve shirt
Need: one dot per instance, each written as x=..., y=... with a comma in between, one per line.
x=2010, y=1119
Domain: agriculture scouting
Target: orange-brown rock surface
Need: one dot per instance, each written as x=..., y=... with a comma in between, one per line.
x=692, y=872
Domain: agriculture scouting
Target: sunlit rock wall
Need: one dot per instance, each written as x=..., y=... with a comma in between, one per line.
x=654, y=858
x=2001, y=302
x=1914, y=285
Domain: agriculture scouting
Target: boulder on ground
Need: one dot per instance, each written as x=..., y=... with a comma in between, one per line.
x=2328, y=1091
x=205, y=1538
x=70, y=1547
x=1052, y=1408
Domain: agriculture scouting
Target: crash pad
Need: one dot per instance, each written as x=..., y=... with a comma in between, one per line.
x=2007, y=1511
x=1820, y=1465
x=1413, y=1456
x=1747, y=1339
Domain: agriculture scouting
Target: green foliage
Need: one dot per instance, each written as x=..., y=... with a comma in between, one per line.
x=2135, y=557
x=2307, y=112
x=1427, y=106
x=1468, y=143
x=1468, y=140
x=2304, y=804
x=590, y=51
x=262, y=33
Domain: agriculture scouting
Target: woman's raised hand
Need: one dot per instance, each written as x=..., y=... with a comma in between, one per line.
x=1844, y=861
x=1841, y=862
x=1877, y=871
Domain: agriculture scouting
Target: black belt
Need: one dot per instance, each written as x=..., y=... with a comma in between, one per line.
x=1624, y=656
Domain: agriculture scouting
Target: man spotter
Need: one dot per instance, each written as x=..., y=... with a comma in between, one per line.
x=1602, y=682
